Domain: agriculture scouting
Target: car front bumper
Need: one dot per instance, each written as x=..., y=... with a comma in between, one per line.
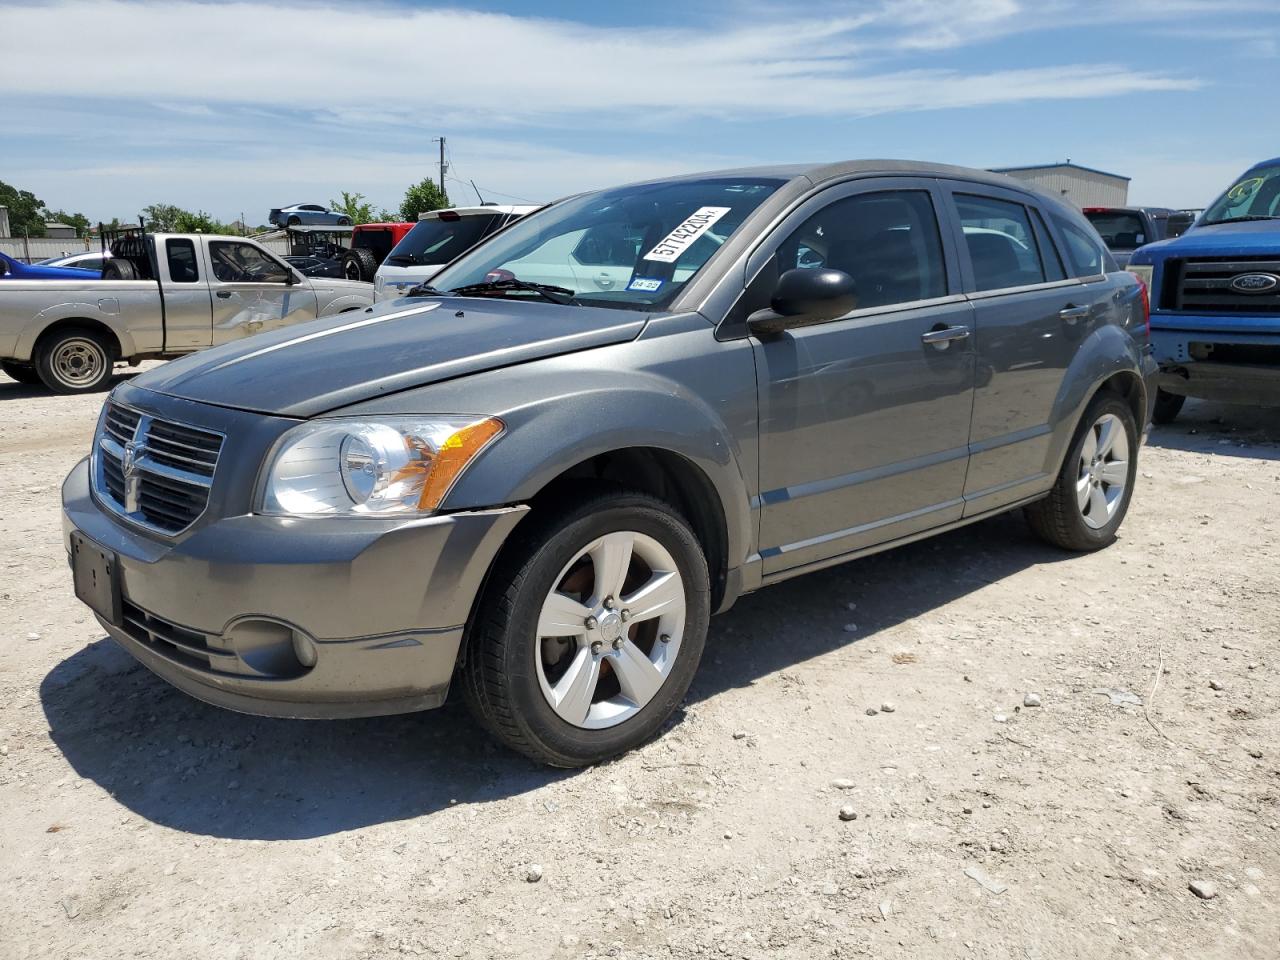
x=318, y=618
x=1241, y=367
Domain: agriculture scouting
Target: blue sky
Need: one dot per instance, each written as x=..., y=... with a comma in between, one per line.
x=232, y=107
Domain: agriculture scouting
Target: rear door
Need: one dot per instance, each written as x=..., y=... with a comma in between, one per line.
x=250, y=292
x=1032, y=315
x=864, y=421
x=188, y=316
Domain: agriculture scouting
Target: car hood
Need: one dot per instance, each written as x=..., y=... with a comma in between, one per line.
x=1250, y=238
x=312, y=368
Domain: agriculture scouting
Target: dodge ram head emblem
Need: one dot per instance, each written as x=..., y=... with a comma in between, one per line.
x=133, y=451
x=1255, y=282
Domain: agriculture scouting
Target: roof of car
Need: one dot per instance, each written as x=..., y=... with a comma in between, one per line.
x=486, y=208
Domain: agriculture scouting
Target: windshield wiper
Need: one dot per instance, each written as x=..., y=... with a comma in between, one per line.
x=1251, y=216
x=424, y=290
x=553, y=294
x=402, y=258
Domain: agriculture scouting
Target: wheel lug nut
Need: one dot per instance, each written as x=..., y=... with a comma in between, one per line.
x=617, y=644
x=591, y=623
x=626, y=615
x=608, y=603
x=596, y=646
x=665, y=638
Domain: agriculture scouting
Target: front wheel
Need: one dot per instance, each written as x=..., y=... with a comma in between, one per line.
x=590, y=631
x=1168, y=406
x=75, y=360
x=1089, y=500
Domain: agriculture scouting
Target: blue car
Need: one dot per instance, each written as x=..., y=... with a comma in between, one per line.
x=312, y=214
x=1215, y=299
x=11, y=269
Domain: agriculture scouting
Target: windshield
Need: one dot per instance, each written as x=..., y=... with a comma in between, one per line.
x=632, y=248
x=1255, y=196
x=439, y=241
x=1120, y=229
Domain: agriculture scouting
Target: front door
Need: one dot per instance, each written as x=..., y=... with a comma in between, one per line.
x=250, y=293
x=864, y=421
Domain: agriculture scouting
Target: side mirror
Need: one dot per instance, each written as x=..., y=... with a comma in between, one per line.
x=804, y=297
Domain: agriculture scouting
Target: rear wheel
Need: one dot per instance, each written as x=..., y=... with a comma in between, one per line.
x=590, y=632
x=1089, y=500
x=359, y=264
x=1168, y=406
x=344, y=221
x=293, y=222
x=75, y=360
x=21, y=372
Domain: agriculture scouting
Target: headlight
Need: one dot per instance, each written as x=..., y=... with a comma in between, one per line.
x=372, y=468
x=1143, y=271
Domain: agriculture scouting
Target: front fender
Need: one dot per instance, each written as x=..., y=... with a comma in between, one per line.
x=344, y=302
x=1107, y=351
x=547, y=437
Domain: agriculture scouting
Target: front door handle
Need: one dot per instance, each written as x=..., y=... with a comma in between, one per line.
x=941, y=337
x=1072, y=313
x=223, y=294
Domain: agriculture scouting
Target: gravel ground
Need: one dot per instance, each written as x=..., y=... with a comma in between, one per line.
x=861, y=768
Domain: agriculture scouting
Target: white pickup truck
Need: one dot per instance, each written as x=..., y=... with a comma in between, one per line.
x=161, y=295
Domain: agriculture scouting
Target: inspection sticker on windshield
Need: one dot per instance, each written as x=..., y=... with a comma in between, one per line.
x=682, y=237
x=645, y=284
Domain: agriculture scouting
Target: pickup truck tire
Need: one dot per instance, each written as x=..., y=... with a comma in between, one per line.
x=1091, y=496
x=360, y=264
x=21, y=372
x=1168, y=406
x=539, y=668
x=118, y=268
x=75, y=360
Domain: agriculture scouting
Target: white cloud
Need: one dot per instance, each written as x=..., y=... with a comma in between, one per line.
x=395, y=64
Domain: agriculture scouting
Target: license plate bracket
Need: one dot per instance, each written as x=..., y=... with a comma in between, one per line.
x=96, y=574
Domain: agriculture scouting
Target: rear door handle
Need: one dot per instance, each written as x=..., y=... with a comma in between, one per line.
x=942, y=337
x=1071, y=314
x=224, y=294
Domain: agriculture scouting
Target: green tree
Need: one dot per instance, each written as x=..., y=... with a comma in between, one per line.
x=200, y=222
x=77, y=220
x=422, y=197
x=359, y=209
x=24, y=211
x=162, y=217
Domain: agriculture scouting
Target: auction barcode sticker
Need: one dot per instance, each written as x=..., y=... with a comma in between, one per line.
x=682, y=237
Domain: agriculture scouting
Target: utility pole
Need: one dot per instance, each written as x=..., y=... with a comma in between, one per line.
x=443, y=166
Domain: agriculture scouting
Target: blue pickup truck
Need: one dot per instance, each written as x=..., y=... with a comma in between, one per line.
x=1215, y=299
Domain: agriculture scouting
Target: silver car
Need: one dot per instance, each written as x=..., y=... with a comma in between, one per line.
x=299, y=214
x=541, y=492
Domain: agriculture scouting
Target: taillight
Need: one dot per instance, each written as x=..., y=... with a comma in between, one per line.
x=1145, y=296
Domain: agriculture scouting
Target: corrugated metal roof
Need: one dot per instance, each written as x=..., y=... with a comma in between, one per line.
x=1059, y=166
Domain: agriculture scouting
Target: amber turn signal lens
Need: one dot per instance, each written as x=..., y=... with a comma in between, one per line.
x=453, y=456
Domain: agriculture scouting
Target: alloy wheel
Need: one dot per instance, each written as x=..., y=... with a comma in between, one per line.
x=1104, y=471
x=609, y=632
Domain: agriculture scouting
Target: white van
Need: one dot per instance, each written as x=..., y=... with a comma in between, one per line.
x=438, y=237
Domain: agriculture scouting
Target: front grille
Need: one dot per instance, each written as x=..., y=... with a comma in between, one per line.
x=183, y=646
x=1206, y=286
x=155, y=472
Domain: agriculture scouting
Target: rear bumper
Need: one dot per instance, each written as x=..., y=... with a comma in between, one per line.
x=1252, y=374
x=379, y=607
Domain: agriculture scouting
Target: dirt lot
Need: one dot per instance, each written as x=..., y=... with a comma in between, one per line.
x=141, y=823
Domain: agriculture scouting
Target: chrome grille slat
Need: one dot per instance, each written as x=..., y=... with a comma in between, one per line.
x=172, y=465
x=1206, y=285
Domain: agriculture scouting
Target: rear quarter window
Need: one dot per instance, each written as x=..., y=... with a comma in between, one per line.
x=1087, y=255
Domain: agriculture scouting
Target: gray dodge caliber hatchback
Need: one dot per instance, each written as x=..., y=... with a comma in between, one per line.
x=610, y=420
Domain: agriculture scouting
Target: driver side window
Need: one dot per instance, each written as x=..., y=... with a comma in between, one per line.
x=888, y=242
x=243, y=263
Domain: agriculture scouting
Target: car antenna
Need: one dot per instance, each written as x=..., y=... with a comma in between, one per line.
x=477, y=190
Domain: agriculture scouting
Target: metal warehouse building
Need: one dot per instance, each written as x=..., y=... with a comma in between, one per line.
x=1083, y=186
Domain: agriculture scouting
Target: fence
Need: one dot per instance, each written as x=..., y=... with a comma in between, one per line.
x=44, y=248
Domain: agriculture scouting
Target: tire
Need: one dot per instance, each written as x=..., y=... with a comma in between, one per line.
x=359, y=264
x=75, y=360
x=292, y=222
x=21, y=372
x=1168, y=406
x=508, y=672
x=118, y=268
x=1061, y=519
x=344, y=221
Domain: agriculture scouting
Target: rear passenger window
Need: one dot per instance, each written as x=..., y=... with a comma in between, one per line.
x=1049, y=256
x=182, y=261
x=1086, y=255
x=888, y=242
x=1001, y=243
